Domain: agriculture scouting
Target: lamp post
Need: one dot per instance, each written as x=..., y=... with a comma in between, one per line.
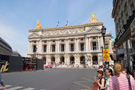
x=103, y=34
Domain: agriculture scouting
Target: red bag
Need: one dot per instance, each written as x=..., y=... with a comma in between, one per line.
x=95, y=86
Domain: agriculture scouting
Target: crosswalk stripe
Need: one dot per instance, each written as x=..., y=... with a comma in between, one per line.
x=29, y=89
x=15, y=88
x=5, y=86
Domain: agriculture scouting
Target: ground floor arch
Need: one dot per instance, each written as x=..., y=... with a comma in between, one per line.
x=44, y=58
x=62, y=60
x=82, y=60
x=95, y=60
x=72, y=60
x=52, y=60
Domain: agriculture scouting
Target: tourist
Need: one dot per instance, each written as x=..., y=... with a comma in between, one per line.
x=126, y=71
x=100, y=81
x=1, y=82
x=109, y=74
x=119, y=81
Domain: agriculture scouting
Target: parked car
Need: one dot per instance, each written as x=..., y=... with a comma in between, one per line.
x=48, y=66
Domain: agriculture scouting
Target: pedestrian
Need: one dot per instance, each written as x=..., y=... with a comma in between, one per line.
x=119, y=81
x=101, y=80
x=126, y=71
x=109, y=74
x=134, y=73
x=1, y=82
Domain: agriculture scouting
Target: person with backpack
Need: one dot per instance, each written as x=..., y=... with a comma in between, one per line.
x=126, y=71
x=101, y=80
x=120, y=81
x=109, y=74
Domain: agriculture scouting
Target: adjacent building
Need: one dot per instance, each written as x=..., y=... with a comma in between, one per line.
x=5, y=48
x=124, y=17
x=69, y=45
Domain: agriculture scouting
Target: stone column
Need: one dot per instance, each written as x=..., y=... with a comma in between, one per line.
x=90, y=44
x=67, y=46
x=102, y=42
x=57, y=57
x=48, y=45
x=75, y=45
x=30, y=47
x=91, y=60
x=57, y=46
x=48, y=59
x=99, y=43
x=67, y=60
x=40, y=47
x=77, y=60
x=75, y=57
x=86, y=44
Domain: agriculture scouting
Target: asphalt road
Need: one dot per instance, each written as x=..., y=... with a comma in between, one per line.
x=50, y=79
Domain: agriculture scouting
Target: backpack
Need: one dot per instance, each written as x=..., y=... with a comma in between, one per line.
x=101, y=82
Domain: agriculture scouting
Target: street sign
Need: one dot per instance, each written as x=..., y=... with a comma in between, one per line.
x=106, y=55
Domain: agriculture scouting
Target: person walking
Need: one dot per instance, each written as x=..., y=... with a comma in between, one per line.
x=100, y=81
x=126, y=71
x=1, y=82
x=119, y=81
x=109, y=74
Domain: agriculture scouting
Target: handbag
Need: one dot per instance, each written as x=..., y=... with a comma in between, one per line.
x=95, y=86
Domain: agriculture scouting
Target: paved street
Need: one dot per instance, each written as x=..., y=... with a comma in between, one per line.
x=50, y=79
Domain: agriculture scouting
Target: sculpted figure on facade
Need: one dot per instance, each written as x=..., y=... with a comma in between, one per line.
x=38, y=24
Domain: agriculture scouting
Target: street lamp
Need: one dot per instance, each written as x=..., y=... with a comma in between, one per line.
x=103, y=34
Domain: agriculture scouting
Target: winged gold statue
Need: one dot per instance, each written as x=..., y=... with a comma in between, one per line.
x=93, y=19
x=38, y=24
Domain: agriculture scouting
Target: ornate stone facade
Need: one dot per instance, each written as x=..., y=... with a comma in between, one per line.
x=70, y=45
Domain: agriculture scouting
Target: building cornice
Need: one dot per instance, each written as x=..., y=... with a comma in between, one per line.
x=67, y=27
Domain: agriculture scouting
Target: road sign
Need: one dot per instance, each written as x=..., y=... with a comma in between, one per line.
x=106, y=55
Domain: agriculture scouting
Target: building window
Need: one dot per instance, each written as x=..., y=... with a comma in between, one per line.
x=34, y=48
x=94, y=46
x=62, y=48
x=44, y=48
x=82, y=46
x=72, y=47
x=53, y=48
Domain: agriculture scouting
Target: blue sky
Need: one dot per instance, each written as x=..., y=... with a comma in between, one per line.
x=18, y=16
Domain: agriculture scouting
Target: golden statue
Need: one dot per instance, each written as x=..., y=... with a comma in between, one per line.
x=38, y=24
x=93, y=19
